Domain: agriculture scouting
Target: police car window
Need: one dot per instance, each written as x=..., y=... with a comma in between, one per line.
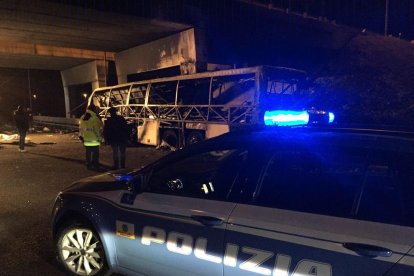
x=207, y=175
x=405, y=182
x=388, y=192
x=319, y=178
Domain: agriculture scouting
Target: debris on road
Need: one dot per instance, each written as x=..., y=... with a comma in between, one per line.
x=12, y=139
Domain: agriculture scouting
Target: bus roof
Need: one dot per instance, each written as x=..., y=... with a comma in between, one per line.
x=283, y=72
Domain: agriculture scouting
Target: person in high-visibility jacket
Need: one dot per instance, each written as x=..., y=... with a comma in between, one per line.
x=90, y=133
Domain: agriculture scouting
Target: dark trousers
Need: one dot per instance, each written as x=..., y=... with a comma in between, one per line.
x=22, y=138
x=118, y=155
x=92, y=156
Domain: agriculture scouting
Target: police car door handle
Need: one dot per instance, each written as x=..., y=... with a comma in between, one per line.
x=368, y=250
x=208, y=221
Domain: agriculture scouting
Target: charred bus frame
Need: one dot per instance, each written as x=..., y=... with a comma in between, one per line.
x=184, y=109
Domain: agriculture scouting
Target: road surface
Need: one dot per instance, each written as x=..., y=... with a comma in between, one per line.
x=29, y=183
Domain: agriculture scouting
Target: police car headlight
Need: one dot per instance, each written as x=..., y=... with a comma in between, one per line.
x=58, y=204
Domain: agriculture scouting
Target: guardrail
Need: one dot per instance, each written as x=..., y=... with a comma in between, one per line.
x=60, y=122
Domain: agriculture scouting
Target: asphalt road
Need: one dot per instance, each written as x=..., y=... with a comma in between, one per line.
x=29, y=183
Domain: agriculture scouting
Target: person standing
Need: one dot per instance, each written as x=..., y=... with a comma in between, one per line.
x=90, y=133
x=116, y=134
x=21, y=118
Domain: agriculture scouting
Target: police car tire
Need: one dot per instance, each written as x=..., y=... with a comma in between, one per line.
x=89, y=258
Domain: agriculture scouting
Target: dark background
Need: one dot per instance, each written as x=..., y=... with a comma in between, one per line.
x=368, y=14
x=361, y=75
x=45, y=84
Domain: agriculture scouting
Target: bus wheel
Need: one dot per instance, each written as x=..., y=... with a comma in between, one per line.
x=170, y=137
x=194, y=137
x=132, y=135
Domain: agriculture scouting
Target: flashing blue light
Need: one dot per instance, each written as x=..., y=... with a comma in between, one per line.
x=331, y=117
x=124, y=177
x=286, y=118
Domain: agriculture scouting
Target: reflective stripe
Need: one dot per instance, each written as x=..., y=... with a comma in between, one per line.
x=91, y=143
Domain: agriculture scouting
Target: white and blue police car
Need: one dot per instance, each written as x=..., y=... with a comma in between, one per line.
x=284, y=201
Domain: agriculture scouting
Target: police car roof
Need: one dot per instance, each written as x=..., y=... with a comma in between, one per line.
x=268, y=137
x=266, y=132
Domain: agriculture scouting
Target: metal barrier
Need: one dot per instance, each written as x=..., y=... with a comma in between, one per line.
x=60, y=122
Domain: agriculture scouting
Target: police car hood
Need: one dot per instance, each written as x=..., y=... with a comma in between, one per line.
x=103, y=182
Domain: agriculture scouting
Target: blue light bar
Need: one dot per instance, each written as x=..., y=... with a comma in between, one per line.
x=286, y=118
x=331, y=117
x=123, y=177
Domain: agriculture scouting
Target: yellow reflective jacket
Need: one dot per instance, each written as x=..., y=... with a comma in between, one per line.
x=90, y=129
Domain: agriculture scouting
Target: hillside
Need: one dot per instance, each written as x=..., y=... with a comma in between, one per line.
x=370, y=80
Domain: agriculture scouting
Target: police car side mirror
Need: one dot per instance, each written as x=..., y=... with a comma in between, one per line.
x=135, y=186
x=175, y=184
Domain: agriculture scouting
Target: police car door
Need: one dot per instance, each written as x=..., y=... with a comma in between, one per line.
x=176, y=227
x=317, y=214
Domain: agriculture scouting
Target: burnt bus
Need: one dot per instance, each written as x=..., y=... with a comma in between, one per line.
x=185, y=109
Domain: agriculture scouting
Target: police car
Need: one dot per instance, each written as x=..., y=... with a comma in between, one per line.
x=284, y=201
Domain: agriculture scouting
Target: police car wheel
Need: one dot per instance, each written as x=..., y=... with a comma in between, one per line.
x=81, y=251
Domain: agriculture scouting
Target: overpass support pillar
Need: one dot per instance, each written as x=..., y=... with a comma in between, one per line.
x=92, y=75
x=101, y=75
x=67, y=101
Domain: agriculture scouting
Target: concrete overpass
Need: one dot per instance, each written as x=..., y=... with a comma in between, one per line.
x=50, y=35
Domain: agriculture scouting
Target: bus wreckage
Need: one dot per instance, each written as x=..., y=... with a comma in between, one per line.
x=181, y=110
